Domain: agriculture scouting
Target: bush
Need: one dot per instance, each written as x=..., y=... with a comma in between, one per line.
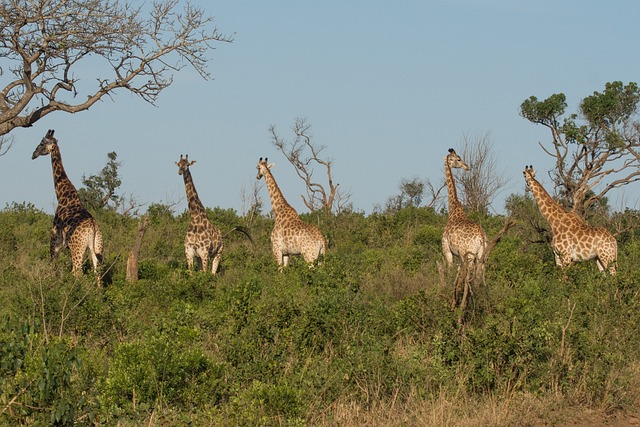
x=370, y=325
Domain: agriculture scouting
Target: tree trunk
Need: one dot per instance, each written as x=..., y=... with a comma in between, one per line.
x=132, y=261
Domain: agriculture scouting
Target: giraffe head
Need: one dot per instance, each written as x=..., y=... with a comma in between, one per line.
x=46, y=145
x=529, y=175
x=263, y=167
x=183, y=164
x=455, y=161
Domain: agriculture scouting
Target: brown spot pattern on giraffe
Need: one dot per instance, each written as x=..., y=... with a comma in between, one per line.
x=462, y=238
x=73, y=225
x=573, y=240
x=290, y=235
x=203, y=240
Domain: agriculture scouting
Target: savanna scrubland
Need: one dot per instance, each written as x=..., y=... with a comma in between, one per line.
x=366, y=338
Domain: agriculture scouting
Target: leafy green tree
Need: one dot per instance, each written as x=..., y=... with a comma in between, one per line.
x=596, y=150
x=411, y=194
x=45, y=45
x=100, y=190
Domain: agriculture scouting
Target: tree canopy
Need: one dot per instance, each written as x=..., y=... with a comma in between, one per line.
x=47, y=45
x=596, y=150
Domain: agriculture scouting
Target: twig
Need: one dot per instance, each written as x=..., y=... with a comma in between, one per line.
x=566, y=326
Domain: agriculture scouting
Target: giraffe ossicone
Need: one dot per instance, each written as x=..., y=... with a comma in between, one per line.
x=73, y=226
x=290, y=235
x=572, y=239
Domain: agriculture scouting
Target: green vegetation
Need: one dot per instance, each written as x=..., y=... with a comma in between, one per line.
x=366, y=338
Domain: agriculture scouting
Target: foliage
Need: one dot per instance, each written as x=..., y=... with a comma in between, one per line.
x=371, y=326
x=411, y=193
x=100, y=190
x=594, y=152
x=37, y=376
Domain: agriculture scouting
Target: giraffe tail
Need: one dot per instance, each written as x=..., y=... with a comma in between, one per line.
x=242, y=230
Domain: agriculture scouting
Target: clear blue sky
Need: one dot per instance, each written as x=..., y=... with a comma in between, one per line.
x=388, y=87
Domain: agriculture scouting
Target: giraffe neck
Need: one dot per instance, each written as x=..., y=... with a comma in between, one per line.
x=278, y=203
x=65, y=191
x=549, y=208
x=455, y=207
x=195, y=205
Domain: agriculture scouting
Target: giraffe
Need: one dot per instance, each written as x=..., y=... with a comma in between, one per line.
x=462, y=238
x=203, y=240
x=73, y=225
x=572, y=239
x=290, y=235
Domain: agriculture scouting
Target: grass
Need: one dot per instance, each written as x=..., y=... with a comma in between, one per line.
x=367, y=338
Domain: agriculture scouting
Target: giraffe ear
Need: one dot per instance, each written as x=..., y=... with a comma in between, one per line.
x=271, y=165
x=191, y=162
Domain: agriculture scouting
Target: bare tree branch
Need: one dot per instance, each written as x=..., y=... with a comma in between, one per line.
x=482, y=183
x=304, y=154
x=5, y=144
x=45, y=42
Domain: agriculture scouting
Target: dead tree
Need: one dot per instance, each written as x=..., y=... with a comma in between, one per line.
x=304, y=154
x=483, y=182
x=132, y=261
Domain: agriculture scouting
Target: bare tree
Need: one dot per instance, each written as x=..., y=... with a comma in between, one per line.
x=251, y=201
x=5, y=143
x=46, y=42
x=595, y=151
x=304, y=154
x=483, y=182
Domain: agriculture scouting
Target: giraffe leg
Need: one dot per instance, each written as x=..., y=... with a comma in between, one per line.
x=189, y=253
x=56, y=243
x=96, y=261
x=216, y=257
x=458, y=285
x=204, y=260
x=215, y=262
x=558, y=260
x=95, y=251
x=79, y=242
x=566, y=260
x=76, y=260
x=478, y=275
x=96, y=248
x=606, y=263
x=467, y=283
x=311, y=255
x=446, y=251
x=468, y=271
